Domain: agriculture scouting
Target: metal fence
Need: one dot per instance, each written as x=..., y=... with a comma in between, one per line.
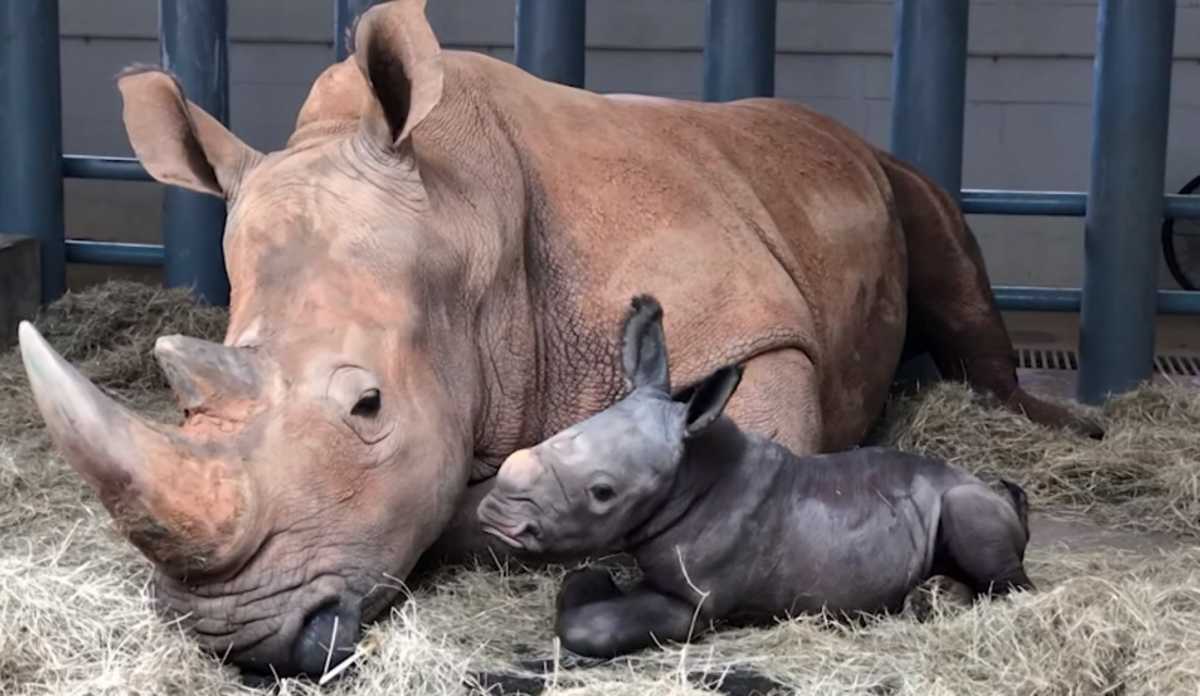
x=1123, y=207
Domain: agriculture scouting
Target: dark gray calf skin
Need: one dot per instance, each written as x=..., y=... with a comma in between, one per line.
x=729, y=526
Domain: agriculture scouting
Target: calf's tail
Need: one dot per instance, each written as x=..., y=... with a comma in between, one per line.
x=1020, y=503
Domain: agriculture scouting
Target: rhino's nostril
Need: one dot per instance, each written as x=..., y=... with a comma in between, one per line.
x=327, y=638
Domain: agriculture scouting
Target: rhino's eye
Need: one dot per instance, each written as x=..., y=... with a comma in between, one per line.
x=601, y=492
x=368, y=404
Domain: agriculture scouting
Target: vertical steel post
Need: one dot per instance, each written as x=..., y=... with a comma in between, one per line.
x=739, y=49
x=195, y=47
x=550, y=37
x=1132, y=86
x=929, y=77
x=31, y=189
x=344, y=14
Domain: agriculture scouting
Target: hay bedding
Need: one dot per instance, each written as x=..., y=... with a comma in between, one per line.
x=74, y=617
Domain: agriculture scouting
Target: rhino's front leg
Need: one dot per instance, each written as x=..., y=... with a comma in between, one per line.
x=624, y=624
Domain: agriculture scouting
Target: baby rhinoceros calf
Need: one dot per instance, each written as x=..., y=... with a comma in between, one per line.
x=730, y=526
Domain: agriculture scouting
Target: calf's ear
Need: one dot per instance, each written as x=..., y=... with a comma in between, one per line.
x=706, y=401
x=644, y=348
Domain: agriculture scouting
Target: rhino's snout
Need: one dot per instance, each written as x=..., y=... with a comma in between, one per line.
x=328, y=638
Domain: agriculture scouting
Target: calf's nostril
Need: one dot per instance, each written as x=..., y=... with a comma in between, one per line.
x=530, y=529
x=328, y=637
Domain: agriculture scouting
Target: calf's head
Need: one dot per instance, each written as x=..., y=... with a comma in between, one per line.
x=321, y=450
x=590, y=486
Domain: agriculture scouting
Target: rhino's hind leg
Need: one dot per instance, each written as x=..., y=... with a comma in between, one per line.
x=952, y=311
x=981, y=541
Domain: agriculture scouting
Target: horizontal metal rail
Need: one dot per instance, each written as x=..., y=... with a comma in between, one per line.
x=974, y=201
x=101, y=167
x=1057, y=203
x=1017, y=298
x=114, y=253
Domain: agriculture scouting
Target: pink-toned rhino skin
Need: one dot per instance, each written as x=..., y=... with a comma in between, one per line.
x=429, y=277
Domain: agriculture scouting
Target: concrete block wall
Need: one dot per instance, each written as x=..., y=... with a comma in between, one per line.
x=1027, y=121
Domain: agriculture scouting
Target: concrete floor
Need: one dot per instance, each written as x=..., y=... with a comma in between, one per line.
x=1080, y=534
x=1174, y=335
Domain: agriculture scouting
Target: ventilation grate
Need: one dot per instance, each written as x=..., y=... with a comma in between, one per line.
x=1177, y=365
x=1047, y=359
x=1182, y=365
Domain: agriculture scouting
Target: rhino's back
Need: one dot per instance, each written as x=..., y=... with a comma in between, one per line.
x=758, y=224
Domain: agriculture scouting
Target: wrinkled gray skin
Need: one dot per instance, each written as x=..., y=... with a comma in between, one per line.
x=734, y=522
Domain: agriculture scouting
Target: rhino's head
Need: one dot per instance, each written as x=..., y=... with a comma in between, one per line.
x=588, y=488
x=325, y=444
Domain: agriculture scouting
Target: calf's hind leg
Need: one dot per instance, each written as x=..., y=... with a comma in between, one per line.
x=981, y=541
x=952, y=312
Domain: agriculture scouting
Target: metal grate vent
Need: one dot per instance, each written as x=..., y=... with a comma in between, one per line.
x=1182, y=365
x=1047, y=359
x=1065, y=359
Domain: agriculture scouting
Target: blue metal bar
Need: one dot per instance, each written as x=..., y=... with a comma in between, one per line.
x=739, y=49
x=102, y=167
x=31, y=189
x=550, y=38
x=1058, y=203
x=1177, y=206
x=344, y=14
x=1050, y=203
x=195, y=47
x=929, y=75
x=1129, y=146
x=114, y=254
x=1015, y=298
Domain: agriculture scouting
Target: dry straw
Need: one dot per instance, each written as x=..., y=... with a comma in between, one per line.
x=74, y=617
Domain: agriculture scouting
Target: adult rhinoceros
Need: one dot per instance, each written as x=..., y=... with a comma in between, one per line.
x=430, y=276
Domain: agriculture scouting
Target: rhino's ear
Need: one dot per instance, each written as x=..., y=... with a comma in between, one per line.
x=644, y=347
x=706, y=401
x=397, y=52
x=178, y=142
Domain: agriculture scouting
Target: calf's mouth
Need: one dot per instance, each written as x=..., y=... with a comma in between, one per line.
x=514, y=529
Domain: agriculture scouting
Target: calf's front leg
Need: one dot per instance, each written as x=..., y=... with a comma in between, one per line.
x=585, y=586
x=623, y=624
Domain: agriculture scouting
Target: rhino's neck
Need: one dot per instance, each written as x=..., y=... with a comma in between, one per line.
x=479, y=195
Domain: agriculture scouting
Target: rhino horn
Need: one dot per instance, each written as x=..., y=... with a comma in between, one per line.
x=203, y=374
x=177, y=501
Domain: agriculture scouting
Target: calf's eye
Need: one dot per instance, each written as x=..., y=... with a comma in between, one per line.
x=602, y=492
